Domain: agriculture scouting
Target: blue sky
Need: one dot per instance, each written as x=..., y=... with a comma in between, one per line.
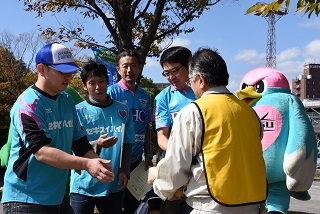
x=240, y=39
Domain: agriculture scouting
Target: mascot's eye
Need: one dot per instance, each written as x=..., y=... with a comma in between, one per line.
x=244, y=86
x=259, y=87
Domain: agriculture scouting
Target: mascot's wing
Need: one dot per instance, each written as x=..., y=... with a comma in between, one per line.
x=301, y=152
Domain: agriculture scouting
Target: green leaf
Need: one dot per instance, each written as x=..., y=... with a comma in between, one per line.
x=300, y=3
x=277, y=6
x=252, y=9
x=300, y=9
x=287, y=5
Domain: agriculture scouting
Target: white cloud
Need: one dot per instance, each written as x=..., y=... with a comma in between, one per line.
x=152, y=62
x=234, y=84
x=289, y=54
x=181, y=42
x=312, y=50
x=311, y=23
x=175, y=42
x=252, y=57
x=290, y=68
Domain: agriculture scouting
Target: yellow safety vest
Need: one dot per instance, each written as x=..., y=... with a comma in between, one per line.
x=232, y=151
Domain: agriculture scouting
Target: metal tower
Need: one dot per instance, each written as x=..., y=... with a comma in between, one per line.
x=272, y=18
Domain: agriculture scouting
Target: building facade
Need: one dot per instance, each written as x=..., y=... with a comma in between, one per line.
x=307, y=85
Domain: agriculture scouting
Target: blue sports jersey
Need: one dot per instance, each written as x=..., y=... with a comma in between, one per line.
x=39, y=119
x=168, y=103
x=97, y=121
x=139, y=104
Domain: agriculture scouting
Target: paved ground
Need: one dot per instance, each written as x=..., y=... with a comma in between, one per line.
x=311, y=206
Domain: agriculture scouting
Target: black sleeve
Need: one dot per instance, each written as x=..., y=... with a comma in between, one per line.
x=34, y=135
x=36, y=139
x=81, y=146
x=126, y=159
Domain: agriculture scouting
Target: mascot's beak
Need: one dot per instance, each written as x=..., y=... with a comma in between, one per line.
x=249, y=95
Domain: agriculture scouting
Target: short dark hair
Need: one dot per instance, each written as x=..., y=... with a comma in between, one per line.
x=130, y=52
x=176, y=54
x=210, y=65
x=92, y=68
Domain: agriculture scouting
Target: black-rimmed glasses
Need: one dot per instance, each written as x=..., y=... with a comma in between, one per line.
x=173, y=72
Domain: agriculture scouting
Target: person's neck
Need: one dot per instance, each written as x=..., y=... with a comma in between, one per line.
x=45, y=89
x=131, y=86
x=99, y=103
x=185, y=88
x=96, y=101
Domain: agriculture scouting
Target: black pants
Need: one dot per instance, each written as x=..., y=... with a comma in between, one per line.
x=171, y=207
x=130, y=203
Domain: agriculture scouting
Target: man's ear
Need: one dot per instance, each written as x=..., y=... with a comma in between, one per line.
x=201, y=81
x=84, y=86
x=40, y=68
x=117, y=67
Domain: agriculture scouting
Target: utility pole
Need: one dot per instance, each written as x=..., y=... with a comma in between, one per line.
x=272, y=17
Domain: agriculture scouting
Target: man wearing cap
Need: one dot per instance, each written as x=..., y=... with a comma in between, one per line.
x=45, y=131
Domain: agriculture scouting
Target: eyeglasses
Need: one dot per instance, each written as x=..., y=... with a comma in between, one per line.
x=173, y=72
x=188, y=82
x=61, y=73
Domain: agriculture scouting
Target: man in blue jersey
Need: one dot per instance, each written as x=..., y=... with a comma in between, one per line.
x=5, y=150
x=45, y=130
x=109, y=128
x=137, y=99
x=170, y=100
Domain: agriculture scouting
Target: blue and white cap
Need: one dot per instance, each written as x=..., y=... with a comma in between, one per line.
x=57, y=56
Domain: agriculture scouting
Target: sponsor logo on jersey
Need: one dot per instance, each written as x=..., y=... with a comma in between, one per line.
x=139, y=137
x=60, y=124
x=48, y=110
x=102, y=130
x=138, y=115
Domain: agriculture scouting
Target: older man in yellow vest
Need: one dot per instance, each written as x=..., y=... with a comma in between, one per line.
x=214, y=149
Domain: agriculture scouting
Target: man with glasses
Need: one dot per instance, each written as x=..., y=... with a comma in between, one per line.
x=214, y=147
x=169, y=101
x=45, y=130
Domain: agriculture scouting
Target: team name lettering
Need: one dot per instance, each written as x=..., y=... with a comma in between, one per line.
x=103, y=130
x=60, y=124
